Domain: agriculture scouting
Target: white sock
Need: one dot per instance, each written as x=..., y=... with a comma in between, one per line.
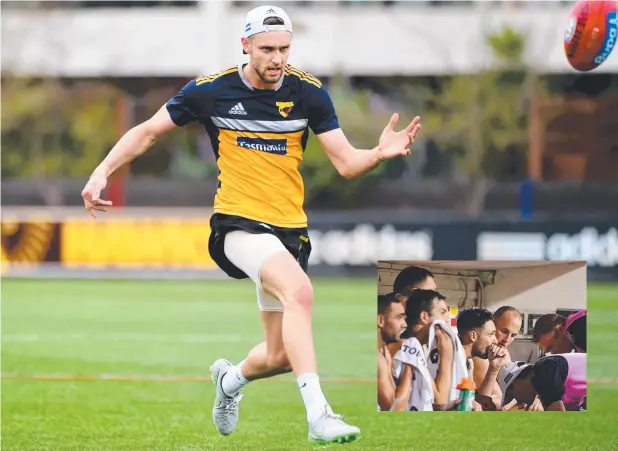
x=233, y=381
x=315, y=402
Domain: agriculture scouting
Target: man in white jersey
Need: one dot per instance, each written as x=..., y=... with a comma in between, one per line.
x=258, y=117
x=410, y=279
x=423, y=307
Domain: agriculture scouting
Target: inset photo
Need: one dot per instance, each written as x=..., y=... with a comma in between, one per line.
x=481, y=335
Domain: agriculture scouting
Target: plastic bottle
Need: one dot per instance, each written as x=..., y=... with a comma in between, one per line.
x=467, y=392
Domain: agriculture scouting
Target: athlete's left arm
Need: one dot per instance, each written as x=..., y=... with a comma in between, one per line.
x=349, y=161
x=386, y=385
x=402, y=393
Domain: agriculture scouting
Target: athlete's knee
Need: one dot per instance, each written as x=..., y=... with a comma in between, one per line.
x=283, y=277
x=279, y=361
x=300, y=295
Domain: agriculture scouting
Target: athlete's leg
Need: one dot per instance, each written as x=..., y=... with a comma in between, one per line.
x=268, y=358
x=248, y=252
x=283, y=277
x=266, y=261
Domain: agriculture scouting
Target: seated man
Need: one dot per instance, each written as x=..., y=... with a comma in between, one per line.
x=556, y=334
x=433, y=351
x=507, y=321
x=410, y=279
x=558, y=380
x=391, y=323
x=416, y=389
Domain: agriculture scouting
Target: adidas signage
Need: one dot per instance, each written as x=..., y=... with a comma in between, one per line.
x=238, y=109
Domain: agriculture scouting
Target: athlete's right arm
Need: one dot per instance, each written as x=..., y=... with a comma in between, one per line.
x=178, y=111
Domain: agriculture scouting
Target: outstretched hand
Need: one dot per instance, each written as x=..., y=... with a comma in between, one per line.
x=393, y=144
x=92, y=192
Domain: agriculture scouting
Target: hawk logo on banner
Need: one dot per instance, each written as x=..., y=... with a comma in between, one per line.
x=26, y=242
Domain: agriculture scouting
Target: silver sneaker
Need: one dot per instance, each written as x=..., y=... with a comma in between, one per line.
x=331, y=428
x=225, y=408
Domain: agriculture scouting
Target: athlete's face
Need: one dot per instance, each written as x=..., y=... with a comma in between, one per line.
x=268, y=54
x=440, y=311
x=507, y=328
x=392, y=323
x=555, y=342
x=482, y=338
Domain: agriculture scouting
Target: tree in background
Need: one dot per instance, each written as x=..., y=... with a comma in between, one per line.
x=53, y=129
x=483, y=117
x=363, y=119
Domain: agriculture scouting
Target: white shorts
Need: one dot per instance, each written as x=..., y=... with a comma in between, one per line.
x=249, y=252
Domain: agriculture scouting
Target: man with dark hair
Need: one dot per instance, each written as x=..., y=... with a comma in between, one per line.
x=477, y=331
x=391, y=323
x=414, y=277
x=391, y=319
x=508, y=324
x=559, y=335
x=558, y=380
x=423, y=309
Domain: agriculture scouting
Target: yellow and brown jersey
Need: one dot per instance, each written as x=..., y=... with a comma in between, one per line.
x=259, y=137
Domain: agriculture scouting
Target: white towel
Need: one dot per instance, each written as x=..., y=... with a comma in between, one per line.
x=459, y=370
x=411, y=352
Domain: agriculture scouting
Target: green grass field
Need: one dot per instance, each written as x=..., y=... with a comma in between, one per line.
x=135, y=356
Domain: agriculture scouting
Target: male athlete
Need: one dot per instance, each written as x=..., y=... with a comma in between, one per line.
x=477, y=331
x=507, y=321
x=559, y=335
x=499, y=359
x=409, y=279
x=412, y=278
x=423, y=307
x=391, y=323
x=558, y=380
x=258, y=117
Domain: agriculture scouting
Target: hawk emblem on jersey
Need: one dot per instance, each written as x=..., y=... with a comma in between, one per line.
x=285, y=108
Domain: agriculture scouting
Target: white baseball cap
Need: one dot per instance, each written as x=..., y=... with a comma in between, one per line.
x=254, y=22
x=508, y=373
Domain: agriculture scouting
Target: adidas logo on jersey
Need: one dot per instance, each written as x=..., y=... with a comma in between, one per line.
x=270, y=11
x=238, y=109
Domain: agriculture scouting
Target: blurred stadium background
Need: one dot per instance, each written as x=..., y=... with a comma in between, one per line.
x=518, y=160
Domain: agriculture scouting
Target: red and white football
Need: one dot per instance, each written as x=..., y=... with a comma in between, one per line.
x=591, y=34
